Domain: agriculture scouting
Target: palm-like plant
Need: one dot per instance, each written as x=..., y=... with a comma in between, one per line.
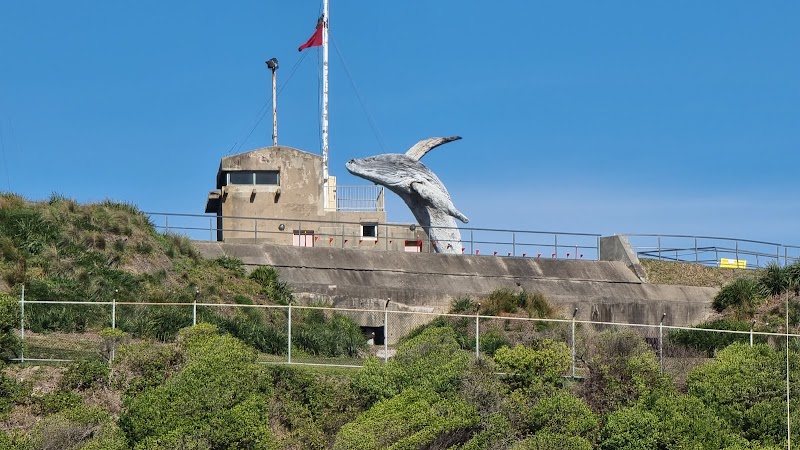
x=775, y=279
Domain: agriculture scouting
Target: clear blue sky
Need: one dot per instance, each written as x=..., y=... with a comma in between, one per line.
x=601, y=117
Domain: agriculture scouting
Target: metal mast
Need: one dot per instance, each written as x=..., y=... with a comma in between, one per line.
x=325, y=104
x=272, y=64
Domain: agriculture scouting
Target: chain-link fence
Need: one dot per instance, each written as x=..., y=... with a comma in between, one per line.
x=60, y=331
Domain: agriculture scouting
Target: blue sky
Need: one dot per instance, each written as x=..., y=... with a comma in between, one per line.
x=602, y=117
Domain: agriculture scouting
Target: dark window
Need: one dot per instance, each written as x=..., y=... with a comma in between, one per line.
x=369, y=230
x=240, y=178
x=268, y=177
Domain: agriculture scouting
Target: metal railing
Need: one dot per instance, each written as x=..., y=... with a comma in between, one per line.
x=357, y=198
x=343, y=234
x=706, y=250
x=711, y=250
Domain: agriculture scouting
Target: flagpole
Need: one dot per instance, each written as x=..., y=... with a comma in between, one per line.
x=324, y=104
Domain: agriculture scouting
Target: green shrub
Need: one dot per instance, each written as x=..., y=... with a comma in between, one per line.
x=157, y=322
x=564, y=414
x=463, y=305
x=310, y=406
x=71, y=428
x=685, y=422
x=746, y=386
x=56, y=401
x=9, y=322
x=710, y=341
x=143, y=366
x=622, y=368
x=11, y=392
x=84, y=374
x=742, y=296
x=411, y=420
x=490, y=342
x=529, y=367
x=432, y=359
x=546, y=440
x=231, y=263
x=271, y=285
x=500, y=301
x=630, y=429
x=337, y=336
x=774, y=279
x=220, y=394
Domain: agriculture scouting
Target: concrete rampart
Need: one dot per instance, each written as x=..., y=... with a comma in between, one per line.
x=601, y=290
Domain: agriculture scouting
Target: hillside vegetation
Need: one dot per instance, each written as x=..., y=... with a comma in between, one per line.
x=161, y=384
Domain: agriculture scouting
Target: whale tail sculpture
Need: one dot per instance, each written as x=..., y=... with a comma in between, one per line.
x=419, y=188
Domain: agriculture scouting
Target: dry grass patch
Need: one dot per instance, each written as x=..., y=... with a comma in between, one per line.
x=690, y=274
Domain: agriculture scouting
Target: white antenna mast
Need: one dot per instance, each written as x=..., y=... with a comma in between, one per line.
x=325, y=103
x=272, y=64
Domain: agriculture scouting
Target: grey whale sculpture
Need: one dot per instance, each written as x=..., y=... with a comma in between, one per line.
x=422, y=191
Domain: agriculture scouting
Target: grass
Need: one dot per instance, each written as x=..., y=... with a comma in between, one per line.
x=689, y=274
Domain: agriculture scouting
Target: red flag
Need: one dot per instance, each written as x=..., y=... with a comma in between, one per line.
x=316, y=39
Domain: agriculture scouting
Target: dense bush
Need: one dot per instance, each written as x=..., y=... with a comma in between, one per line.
x=415, y=418
x=310, y=407
x=710, y=341
x=746, y=386
x=563, y=414
x=529, y=367
x=9, y=322
x=84, y=374
x=741, y=296
x=432, y=359
x=546, y=440
x=219, y=396
x=271, y=285
x=144, y=366
x=78, y=427
x=334, y=336
x=622, y=368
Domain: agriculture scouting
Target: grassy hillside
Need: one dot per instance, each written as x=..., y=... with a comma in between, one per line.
x=61, y=250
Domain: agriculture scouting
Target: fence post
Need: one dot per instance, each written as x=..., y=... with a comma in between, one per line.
x=22, y=325
x=289, y=345
x=194, y=306
x=471, y=242
x=555, y=245
x=386, y=331
x=114, y=309
x=513, y=244
x=661, y=343
x=477, y=332
x=572, y=344
x=737, y=252
x=752, y=325
x=659, y=248
x=255, y=231
x=696, y=257
x=210, y=229
x=166, y=224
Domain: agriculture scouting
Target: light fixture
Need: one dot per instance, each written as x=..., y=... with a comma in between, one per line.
x=281, y=227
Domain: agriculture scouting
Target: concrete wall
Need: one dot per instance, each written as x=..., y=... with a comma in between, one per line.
x=601, y=290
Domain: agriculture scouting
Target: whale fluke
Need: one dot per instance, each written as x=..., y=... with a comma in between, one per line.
x=424, y=146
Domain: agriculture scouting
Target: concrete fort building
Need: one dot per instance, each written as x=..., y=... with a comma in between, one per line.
x=278, y=195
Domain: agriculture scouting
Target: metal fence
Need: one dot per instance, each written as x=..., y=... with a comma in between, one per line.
x=711, y=250
x=706, y=250
x=475, y=241
x=482, y=334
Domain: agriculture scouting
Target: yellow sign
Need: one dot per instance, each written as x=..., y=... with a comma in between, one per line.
x=733, y=263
